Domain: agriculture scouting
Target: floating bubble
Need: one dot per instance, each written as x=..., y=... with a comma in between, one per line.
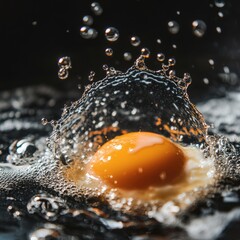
x=178, y=12
x=160, y=57
x=159, y=41
x=219, y=3
x=96, y=8
x=88, y=20
x=109, y=52
x=211, y=62
x=174, y=46
x=34, y=23
x=145, y=52
x=171, y=61
x=220, y=14
x=173, y=27
x=218, y=29
x=206, y=81
x=135, y=41
x=65, y=62
x=63, y=73
x=111, y=34
x=88, y=33
x=199, y=28
x=44, y=121
x=127, y=56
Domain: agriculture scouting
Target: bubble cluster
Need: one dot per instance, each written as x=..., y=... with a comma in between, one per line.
x=88, y=33
x=96, y=8
x=64, y=65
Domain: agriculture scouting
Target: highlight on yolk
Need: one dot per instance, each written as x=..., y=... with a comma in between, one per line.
x=139, y=160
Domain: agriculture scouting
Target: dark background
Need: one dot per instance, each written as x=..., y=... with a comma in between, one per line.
x=30, y=52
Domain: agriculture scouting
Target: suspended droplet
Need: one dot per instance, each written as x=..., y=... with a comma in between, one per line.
x=63, y=73
x=111, y=34
x=64, y=62
x=160, y=57
x=135, y=41
x=174, y=46
x=178, y=12
x=88, y=33
x=96, y=8
x=219, y=3
x=34, y=23
x=88, y=20
x=145, y=52
x=171, y=61
x=173, y=27
x=199, y=28
x=109, y=52
x=127, y=56
x=159, y=41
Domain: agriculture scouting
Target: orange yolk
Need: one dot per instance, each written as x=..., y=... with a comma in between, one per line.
x=139, y=160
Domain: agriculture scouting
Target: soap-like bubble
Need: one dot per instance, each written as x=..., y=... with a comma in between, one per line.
x=135, y=41
x=111, y=34
x=173, y=27
x=199, y=28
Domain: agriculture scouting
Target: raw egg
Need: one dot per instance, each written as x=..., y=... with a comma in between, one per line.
x=139, y=160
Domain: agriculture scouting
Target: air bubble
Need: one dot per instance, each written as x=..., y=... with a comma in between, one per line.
x=219, y=3
x=218, y=29
x=159, y=41
x=145, y=52
x=127, y=56
x=44, y=121
x=206, y=81
x=171, y=61
x=96, y=8
x=88, y=20
x=63, y=73
x=135, y=41
x=88, y=33
x=109, y=52
x=64, y=62
x=111, y=34
x=160, y=57
x=220, y=14
x=211, y=62
x=173, y=27
x=199, y=28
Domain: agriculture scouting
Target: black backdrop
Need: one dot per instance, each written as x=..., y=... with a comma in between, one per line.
x=30, y=52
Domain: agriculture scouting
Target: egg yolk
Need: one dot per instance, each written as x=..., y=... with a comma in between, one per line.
x=139, y=160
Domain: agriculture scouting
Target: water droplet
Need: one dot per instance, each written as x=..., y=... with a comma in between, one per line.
x=34, y=23
x=173, y=27
x=159, y=41
x=88, y=33
x=199, y=28
x=127, y=56
x=64, y=62
x=171, y=61
x=172, y=73
x=160, y=57
x=178, y=12
x=63, y=73
x=109, y=52
x=135, y=41
x=145, y=52
x=88, y=20
x=111, y=34
x=96, y=8
x=219, y=3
